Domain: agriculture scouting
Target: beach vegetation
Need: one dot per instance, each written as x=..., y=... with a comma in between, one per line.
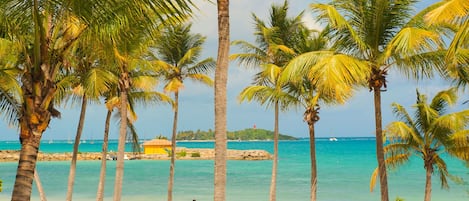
x=386, y=35
x=177, y=54
x=195, y=155
x=431, y=132
x=181, y=154
x=269, y=55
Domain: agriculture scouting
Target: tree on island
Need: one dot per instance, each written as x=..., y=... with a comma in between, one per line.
x=246, y=134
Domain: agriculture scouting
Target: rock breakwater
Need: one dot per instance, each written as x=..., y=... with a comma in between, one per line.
x=181, y=154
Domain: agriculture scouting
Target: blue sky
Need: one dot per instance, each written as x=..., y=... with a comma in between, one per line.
x=355, y=118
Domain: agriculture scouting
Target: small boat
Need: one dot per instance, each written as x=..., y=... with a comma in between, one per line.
x=332, y=139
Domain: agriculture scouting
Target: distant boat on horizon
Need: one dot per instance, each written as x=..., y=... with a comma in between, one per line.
x=332, y=139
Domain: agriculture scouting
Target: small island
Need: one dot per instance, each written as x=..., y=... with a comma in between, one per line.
x=244, y=135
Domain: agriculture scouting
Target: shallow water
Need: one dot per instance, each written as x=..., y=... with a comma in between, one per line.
x=344, y=169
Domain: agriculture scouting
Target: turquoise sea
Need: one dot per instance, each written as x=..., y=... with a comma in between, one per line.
x=344, y=169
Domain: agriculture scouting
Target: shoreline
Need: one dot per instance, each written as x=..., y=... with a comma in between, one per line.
x=182, y=153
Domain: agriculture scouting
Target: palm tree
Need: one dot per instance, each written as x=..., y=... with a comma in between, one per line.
x=141, y=93
x=385, y=34
x=317, y=76
x=88, y=81
x=178, y=54
x=272, y=53
x=452, y=16
x=221, y=75
x=429, y=134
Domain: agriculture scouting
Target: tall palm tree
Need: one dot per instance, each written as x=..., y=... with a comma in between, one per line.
x=221, y=77
x=428, y=134
x=272, y=52
x=386, y=35
x=178, y=54
x=318, y=76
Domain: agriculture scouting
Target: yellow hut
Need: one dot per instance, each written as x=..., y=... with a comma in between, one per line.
x=157, y=146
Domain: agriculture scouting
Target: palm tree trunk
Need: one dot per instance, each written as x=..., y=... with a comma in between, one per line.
x=73, y=165
x=314, y=173
x=221, y=75
x=26, y=167
x=273, y=182
x=102, y=173
x=40, y=189
x=383, y=178
x=30, y=139
x=428, y=183
x=124, y=85
x=173, y=147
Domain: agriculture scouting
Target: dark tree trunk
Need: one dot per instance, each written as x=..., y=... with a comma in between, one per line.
x=26, y=167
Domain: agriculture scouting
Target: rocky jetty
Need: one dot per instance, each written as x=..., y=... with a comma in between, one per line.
x=181, y=154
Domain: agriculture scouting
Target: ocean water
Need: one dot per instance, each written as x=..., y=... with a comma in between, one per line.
x=344, y=169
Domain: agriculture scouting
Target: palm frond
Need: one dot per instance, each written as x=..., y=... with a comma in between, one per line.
x=442, y=170
x=412, y=41
x=336, y=21
x=205, y=66
x=443, y=100
x=403, y=131
x=448, y=11
x=201, y=78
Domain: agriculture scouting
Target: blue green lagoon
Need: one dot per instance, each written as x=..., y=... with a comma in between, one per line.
x=344, y=170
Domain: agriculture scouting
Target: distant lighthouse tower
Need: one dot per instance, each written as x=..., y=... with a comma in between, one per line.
x=254, y=127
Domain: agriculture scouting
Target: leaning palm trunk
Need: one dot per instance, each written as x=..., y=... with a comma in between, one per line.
x=383, y=180
x=221, y=75
x=273, y=182
x=73, y=165
x=124, y=85
x=102, y=174
x=40, y=189
x=173, y=147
